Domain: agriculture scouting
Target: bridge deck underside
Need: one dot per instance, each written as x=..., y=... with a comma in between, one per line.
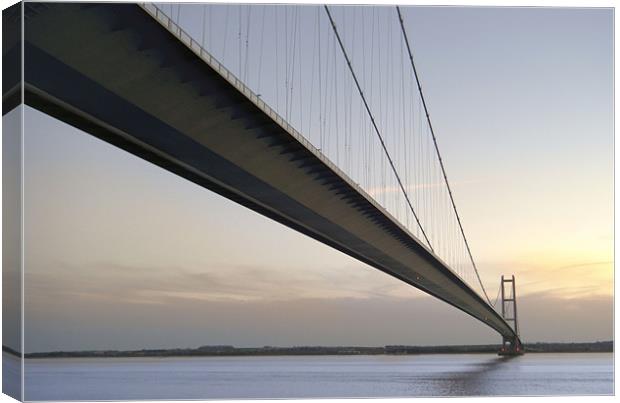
x=118, y=74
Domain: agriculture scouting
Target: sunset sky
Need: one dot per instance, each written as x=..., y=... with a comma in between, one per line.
x=121, y=254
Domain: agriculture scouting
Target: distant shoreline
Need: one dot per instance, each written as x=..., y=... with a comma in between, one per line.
x=231, y=351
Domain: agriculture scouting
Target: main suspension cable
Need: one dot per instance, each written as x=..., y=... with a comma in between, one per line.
x=372, y=119
x=443, y=170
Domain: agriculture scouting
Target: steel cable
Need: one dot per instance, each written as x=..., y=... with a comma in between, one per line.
x=333, y=24
x=443, y=170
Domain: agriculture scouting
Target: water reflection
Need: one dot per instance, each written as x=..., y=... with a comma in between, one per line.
x=475, y=379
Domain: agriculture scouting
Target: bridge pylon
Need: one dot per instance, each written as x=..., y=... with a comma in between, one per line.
x=510, y=346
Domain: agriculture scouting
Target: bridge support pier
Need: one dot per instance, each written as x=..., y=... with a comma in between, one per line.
x=510, y=346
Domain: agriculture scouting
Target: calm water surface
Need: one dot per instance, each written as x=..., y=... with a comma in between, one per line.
x=324, y=376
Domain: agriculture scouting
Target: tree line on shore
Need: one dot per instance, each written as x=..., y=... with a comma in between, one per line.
x=227, y=350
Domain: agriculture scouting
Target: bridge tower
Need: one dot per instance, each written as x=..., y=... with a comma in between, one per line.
x=510, y=347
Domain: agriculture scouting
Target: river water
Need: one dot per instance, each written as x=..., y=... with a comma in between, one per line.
x=319, y=376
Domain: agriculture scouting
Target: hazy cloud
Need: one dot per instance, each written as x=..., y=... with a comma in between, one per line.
x=114, y=323
x=139, y=284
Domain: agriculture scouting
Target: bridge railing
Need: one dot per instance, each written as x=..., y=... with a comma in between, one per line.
x=454, y=259
x=244, y=89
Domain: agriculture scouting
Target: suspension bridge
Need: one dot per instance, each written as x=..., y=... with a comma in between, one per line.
x=313, y=116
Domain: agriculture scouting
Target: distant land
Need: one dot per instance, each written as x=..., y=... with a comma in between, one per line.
x=225, y=350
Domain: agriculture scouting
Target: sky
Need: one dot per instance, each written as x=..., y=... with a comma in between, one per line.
x=121, y=254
